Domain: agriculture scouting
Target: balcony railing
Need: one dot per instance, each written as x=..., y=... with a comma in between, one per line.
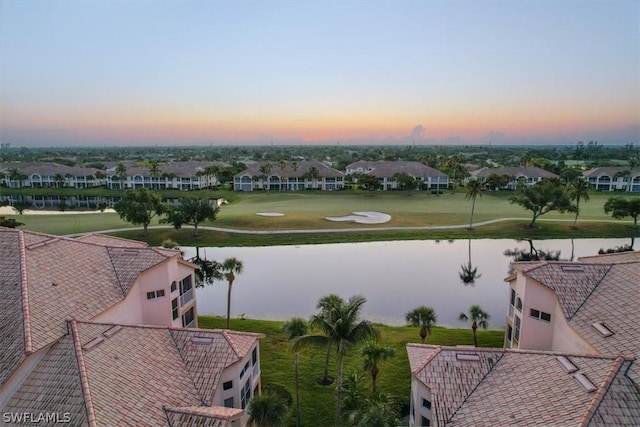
x=191, y=324
x=186, y=297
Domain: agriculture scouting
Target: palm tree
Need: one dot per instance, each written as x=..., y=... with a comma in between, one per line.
x=422, y=316
x=121, y=173
x=314, y=174
x=378, y=411
x=267, y=410
x=325, y=305
x=59, y=179
x=295, y=328
x=229, y=269
x=478, y=318
x=373, y=354
x=578, y=190
x=265, y=170
x=474, y=189
x=343, y=328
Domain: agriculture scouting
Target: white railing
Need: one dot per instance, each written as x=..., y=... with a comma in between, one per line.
x=186, y=297
x=256, y=370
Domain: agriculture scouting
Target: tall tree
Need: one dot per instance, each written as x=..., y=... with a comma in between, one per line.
x=296, y=328
x=542, y=198
x=422, y=316
x=230, y=268
x=479, y=318
x=373, y=354
x=619, y=208
x=344, y=329
x=121, y=173
x=474, y=189
x=314, y=174
x=265, y=170
x=323, y=318
x=192, y=212
x=267, y=410
x=140, y=206
x=578, y=190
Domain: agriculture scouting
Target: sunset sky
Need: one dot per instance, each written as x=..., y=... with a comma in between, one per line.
x=144, y=72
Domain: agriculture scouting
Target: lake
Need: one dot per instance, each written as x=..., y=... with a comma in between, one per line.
x=279, y=282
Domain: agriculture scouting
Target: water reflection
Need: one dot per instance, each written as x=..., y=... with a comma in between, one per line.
x=468, y=273
x=280, y=282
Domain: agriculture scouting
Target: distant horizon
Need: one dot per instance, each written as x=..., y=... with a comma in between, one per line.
x=76, y=73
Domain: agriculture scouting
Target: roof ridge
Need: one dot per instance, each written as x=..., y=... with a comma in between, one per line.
x=26, y=318
x=564, y=353
x=115, y=271
x=79, y=238
x=186, y=368
x=82, y=370
x=592, y=290
x=602, y=391
x=236, y=350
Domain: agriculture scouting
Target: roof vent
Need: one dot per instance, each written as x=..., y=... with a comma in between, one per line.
x=585, y=383
x=202, y=340
x=91, y=344
x=470, y=357
x=572, y=268
x=600, y=327
x=568, y=366
x=132, y=252
x=112, y=331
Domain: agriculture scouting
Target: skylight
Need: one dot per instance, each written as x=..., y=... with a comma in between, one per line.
x=572, y=268
x=130, y=252
x=112, y=331
x=604, y=331
x=470, y=357
x=201, y=340
x=585, y=383
x=94, y=342
x=567, y=364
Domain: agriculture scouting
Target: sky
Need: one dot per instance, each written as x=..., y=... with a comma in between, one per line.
x=141, y=72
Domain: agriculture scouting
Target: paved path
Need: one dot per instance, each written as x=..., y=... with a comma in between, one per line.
x=344, y=230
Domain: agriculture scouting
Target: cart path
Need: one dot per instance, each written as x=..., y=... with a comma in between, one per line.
x=344, y=230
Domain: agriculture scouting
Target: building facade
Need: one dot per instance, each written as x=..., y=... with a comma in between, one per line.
x=387, y=172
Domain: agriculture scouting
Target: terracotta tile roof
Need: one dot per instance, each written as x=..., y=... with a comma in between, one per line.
x=302, y=168
x=214, y=416
x=11, y=327
x=386, y=169
x=110, y=375
x=128, y=263
x=104, y=240
x=572, y=282
x=530, y=172
x=523, y=388
x=617, y=258
x=610, y=171
x=53, y=386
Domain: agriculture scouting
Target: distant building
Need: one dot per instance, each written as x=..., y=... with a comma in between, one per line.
x=517, y=175
x=386, y=172
x=72, y=339
x=614, y=179
x=289, y=176
x=49, y=174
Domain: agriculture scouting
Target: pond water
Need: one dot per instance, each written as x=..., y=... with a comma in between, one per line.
x=279, y=282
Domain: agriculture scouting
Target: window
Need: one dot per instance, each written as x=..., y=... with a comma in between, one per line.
x=244, y=369
x=188, y=318
x=516, y=335
x=513, y=297
x=540, y=315
x=424, y=421
x=245, y=394
x=254, y=356
x=228, y=403
x=174, y=308
x=227, y=385
x=151, y=295
x=519, y=304
x=160, y=293
x=185, y=285
x=174, y=286
x=426, y=404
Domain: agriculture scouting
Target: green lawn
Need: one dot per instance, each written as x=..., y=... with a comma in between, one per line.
x=307, y=210
x=318, y=402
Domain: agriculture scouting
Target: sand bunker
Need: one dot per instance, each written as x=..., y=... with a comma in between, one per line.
x=363, y=217
x=8, y=210
x=269, y=214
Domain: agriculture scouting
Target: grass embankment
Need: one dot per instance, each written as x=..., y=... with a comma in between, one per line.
x=318, y=402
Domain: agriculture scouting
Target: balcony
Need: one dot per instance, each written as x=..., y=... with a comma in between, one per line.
x=186, y=297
